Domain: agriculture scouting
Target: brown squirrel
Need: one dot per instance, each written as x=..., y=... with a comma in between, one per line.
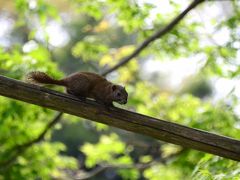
x=85, y=85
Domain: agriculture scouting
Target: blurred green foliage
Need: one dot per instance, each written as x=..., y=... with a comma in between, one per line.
x=100, y=153
x=99, y=34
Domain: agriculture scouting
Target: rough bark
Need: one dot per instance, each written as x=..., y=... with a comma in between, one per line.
x=131, y=121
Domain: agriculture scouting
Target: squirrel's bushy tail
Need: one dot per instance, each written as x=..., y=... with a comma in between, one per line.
x=43, y=78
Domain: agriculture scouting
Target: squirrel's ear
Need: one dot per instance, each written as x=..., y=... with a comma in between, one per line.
x=114, y=87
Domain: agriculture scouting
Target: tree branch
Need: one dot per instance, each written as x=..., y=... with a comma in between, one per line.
x=155, y=36
x=159, y=129
x=19, y=149
x=139, y=166
x=103, y=167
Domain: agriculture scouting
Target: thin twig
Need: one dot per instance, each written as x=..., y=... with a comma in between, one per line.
x=20, y=149
x=155, y=36
x=103, y=167
x=138, y=166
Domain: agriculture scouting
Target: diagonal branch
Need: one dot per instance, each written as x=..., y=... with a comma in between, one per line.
x=131, y=121
x=155, y=36
x=20, y=149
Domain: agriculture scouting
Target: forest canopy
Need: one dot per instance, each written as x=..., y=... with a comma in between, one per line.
x=188, y=73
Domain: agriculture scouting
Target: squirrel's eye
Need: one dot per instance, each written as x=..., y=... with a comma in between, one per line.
x=118, y=94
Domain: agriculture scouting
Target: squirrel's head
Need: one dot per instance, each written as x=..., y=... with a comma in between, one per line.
x=119, y=94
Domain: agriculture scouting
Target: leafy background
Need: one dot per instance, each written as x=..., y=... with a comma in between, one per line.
x=189, y=76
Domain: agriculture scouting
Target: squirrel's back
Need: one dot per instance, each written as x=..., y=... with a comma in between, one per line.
x=93, y=77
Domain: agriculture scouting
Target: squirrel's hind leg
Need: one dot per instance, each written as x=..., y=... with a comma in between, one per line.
x=79, y=96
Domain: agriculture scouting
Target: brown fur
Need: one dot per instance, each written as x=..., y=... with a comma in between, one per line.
x=85, y=85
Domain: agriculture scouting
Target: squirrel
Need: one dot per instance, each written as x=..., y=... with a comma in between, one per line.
x=85, y=85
